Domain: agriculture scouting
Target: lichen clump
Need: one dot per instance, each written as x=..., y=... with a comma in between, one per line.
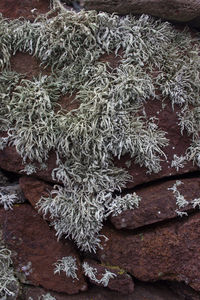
x=108, y=122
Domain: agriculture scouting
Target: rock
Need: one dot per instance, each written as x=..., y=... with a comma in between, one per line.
x=121, y=282
x=30, y=67
x=35, y=250
x=28, y=9
x=158, y=204
x=11, y=161
x=167, y=252
x=143, y=291
x=34, y=189
x=182, y=289
x=3, y=179
x=176, y=10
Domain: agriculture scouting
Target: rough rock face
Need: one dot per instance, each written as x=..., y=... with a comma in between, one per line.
x=35, y=250
x=167, y=252
x=158, y=204
x=34, y=189
x=176, y=10
x=143, y=291
x=26, y=8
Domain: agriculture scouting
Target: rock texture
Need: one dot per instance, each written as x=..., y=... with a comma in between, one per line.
x=167, y=252
x=176, y=10
x=158, y=204
x=34, y=189
x=35, y=250
x=26, y=8
x=143, y=291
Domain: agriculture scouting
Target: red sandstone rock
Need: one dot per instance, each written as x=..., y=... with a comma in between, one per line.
x=122, y=283
x=35, y=250
x=176, y=10
x=26, y=8
x=34, y=189
x=143, y=291
x=157, y=204
x=168, y=252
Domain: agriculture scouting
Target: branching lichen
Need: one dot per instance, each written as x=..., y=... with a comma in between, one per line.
x=68, y=265
x=108, y=123
x=7, y=278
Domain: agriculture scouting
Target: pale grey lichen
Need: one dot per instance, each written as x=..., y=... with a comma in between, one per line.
x=108, y=122
x=91, y=273
x=180, y=199
x=7, y=278
x=7, y=200
x=68, y=265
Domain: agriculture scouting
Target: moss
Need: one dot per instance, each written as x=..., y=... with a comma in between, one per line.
x=107, y=123
x=119, y=270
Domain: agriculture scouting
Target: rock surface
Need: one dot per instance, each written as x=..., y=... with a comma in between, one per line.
x=143, y=291
x=167, y=252
x=34, y=189
x=176, y=10
x=26, y=8
x=158, y=204
x=35, y=250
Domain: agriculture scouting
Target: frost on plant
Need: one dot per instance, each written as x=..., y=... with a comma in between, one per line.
x=68, y=265
x=7, y=278
x=108, y=122
x=92, y=272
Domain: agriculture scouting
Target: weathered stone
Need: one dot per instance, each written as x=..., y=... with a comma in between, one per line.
x=11, y=161
x=3, y=179
x=167, y=252
x=176, y=10
x=122, y=282
x=158, y=204
x=30, y=67
x=26, y=8
x=34, y=189
x=142, y=291
x=182, y=289
x=35, y=250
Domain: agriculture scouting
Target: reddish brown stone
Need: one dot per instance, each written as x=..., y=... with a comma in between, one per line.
x=122, y=282
x=29, y=65
x=11, y=161
x=26, y=8
x=35, y=250
x=34, y=189
x=157, y=204
x=143, y=291
x=177, y=10
x=168, y=252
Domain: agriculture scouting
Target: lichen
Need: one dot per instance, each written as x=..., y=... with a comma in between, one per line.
x=107, y=124
x=7, y=277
